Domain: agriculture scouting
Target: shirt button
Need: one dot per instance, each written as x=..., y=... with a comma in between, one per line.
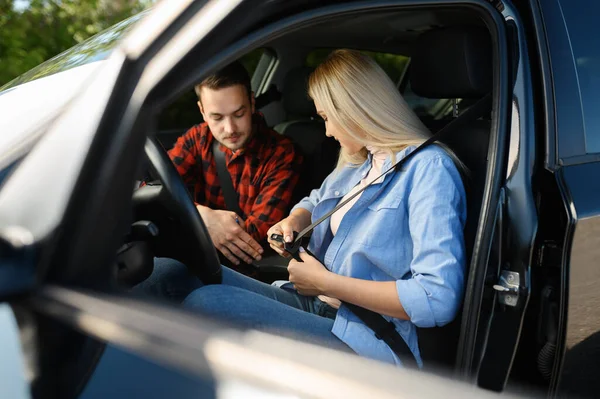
x=337, y=193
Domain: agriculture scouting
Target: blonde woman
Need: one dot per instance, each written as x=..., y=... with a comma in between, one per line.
x=397, y=249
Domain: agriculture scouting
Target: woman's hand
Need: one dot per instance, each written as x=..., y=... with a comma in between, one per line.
x=311, y=278
x=297, y=221
x=308, y=276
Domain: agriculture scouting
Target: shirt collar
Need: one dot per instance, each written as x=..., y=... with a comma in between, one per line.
x=388, y=161
x=363, y=170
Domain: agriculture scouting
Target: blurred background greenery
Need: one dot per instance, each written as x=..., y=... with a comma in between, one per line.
x=32, y=31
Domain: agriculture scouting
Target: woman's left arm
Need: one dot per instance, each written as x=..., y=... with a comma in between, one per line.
x=436, y=208
x=312, y=278
x=378, y=296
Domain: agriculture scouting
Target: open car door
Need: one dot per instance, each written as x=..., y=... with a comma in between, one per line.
x=93, y=341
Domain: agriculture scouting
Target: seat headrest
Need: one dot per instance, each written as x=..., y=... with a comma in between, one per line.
x=453, y=62
x=296, y=101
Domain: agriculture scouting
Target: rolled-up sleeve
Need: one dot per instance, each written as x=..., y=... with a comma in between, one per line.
x=436, y=217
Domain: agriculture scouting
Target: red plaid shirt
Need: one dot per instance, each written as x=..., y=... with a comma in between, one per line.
x=264, y=173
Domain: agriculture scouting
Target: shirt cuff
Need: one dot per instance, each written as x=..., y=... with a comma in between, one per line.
x=415, y=302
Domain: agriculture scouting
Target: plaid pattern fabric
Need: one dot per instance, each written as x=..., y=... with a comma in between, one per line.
x=264, y=173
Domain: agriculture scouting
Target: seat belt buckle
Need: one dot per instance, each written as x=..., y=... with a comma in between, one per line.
x=293, y=247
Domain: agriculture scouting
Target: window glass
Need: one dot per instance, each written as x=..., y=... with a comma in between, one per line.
x=583, y=28
x=430, y=110
x=97, y=47
x=250, y=60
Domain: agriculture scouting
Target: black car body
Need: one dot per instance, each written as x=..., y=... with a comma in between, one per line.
x=70, y=152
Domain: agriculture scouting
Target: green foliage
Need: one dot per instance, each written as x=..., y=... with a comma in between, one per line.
x=392, y=64
x=250, y=60
x=36, y=30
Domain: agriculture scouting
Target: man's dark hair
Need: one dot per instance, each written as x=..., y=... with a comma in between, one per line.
x=230, y=75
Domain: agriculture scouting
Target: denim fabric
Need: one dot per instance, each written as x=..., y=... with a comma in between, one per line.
x=408, y=229
x=247, y=302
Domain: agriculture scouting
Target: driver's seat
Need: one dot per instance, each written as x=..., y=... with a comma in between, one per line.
x=456, y=63
x=307, y=130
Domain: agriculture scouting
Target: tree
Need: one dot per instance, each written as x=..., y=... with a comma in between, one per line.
x=36, y=30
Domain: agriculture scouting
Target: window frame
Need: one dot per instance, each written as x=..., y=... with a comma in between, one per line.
x=261, y=76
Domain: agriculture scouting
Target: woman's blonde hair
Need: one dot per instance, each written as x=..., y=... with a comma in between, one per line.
x=355, y=92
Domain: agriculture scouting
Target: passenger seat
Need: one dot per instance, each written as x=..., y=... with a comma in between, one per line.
x=307, y=130
x=456, y=62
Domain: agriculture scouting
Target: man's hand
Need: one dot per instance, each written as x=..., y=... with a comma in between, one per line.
x=228, y=236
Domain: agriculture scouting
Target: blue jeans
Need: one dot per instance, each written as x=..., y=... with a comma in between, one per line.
x=250, y=303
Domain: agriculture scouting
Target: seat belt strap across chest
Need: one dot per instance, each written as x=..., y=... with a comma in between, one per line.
x=386, y=330
x=231, y=197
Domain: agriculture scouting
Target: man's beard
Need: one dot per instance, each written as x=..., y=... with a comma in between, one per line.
x=234, y=141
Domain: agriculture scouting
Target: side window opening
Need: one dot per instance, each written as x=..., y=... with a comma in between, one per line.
x=432, y=111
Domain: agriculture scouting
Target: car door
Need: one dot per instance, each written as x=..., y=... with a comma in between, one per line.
x=85, y=236
x=573, y=156
x=495, y=310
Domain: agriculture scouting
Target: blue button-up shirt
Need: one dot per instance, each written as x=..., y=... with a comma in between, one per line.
x=407, y=229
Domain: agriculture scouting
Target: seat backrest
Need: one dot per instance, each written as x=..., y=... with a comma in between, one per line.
x=456, y=62
x=307, y=130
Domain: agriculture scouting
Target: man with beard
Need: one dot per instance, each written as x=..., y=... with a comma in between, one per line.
x=263, y=165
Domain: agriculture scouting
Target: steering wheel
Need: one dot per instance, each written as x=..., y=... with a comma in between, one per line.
x=182, y=235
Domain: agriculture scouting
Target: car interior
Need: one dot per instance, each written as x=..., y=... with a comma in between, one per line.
x=441, y=61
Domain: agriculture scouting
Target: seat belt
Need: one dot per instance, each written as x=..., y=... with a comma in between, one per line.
x=386, y=330
x=231, y=197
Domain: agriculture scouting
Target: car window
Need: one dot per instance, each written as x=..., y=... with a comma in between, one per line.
x=396, y=66
x=183, y=113
x=96, y=48
x=429, y=109
x=582, y=28
x=250, y=61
